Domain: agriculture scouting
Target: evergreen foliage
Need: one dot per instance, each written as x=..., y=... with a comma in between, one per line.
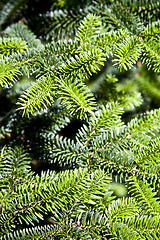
x=80, y=120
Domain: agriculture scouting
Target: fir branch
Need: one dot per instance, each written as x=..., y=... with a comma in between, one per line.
x=66, y=152
x=14, y=164
x=121, y=230
x=9, y=72
x=10, y=45
x=47, y=232
x=61, y=47
x=76, y=97
x=103, y=119
x=37, y=96
x=90, y=27
x=151, y=58
x=146, y=228
x=78, y=203
x=65, y=191
x=85, y=63
x=121, y=209
x=22, y=31
x=145, y=196
x=64, y=23
x=146, y=125
x=127, y=53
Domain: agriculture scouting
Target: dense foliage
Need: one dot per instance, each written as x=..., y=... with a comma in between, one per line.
x=80, y=120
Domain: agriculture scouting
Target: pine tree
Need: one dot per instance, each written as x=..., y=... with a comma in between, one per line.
x=80, y=120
